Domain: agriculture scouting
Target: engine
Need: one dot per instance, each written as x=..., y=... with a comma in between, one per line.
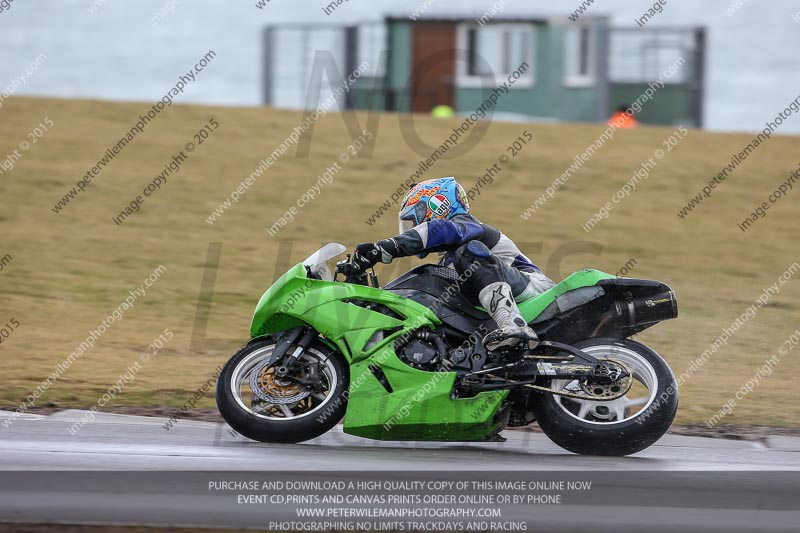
x=426, y=350
x=420, y=354
x=422, y=349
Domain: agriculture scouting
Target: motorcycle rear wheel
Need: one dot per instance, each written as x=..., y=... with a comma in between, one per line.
x=620, y=427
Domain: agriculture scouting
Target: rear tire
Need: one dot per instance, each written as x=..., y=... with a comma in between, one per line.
x=631, y=435
x=306, y=426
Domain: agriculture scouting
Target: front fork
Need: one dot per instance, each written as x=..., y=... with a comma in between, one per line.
x=301, y=338
x=286, y=339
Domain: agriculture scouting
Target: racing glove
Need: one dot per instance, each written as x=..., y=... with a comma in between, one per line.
x=367, y=255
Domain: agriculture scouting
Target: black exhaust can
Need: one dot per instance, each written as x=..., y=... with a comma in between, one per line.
x=647, y=310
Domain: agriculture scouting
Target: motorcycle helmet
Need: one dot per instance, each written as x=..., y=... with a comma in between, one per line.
x=432, y=199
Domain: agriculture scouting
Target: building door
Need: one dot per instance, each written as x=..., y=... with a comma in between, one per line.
x=433, y=67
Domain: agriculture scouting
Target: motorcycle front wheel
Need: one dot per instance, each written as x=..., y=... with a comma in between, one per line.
x=260, y=400
x=618, y=427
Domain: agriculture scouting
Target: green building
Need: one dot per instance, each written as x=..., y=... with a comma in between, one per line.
x=554, y=69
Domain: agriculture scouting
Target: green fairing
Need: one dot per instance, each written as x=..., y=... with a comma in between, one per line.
x=420, y=406
x=325, y=306
x=532, y=308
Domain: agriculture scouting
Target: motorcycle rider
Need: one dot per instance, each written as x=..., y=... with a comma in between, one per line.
x=434, y=217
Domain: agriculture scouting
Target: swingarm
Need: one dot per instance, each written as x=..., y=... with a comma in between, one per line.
x=601, y=380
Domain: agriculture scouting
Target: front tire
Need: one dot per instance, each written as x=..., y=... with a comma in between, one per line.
x=296, y=414
x=613, y=428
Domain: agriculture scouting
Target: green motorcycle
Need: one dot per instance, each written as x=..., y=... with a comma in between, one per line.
x=406, y=361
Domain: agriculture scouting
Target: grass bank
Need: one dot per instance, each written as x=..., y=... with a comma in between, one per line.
x=70, y=270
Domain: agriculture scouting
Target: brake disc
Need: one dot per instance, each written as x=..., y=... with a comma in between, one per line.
x=268, y=387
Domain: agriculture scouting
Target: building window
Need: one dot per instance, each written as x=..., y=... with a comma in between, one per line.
x=494, y=52
x=580, y=53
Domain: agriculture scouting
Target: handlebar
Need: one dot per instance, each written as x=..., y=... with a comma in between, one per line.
x=346, y=268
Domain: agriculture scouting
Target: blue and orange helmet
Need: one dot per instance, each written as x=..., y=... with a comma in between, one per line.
x=431, y=199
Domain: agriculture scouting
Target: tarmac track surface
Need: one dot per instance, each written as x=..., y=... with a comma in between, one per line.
x=134, y=471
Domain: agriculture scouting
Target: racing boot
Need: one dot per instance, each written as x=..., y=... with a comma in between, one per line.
x=512, y=329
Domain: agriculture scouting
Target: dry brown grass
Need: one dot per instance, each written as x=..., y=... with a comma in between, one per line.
x=70, y=270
